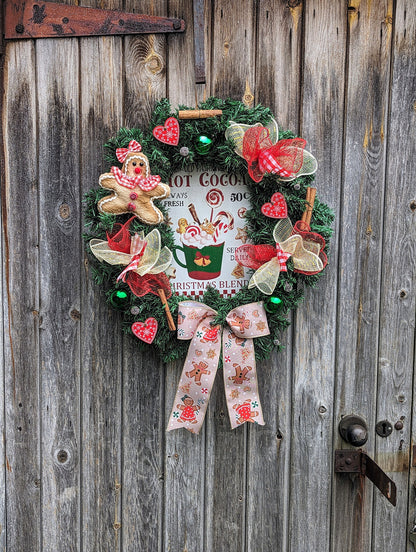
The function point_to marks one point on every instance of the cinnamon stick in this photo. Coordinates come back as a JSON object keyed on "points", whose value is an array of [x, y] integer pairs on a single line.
{"points": [[192, 210], [310, 200], [162, 296], [199, 113], [309, 208]]}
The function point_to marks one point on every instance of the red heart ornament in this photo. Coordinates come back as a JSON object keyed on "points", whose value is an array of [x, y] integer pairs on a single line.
{"points": [[168, 134], [277, 208], [146, 331]]}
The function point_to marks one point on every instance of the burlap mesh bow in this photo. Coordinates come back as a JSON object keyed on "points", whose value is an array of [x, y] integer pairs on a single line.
{"points": [[265, 153], [268, 263], [240, 378], [145, 260]]}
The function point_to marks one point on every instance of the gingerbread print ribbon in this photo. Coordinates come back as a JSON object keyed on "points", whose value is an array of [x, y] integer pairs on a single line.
{"points": [[240, 377]]}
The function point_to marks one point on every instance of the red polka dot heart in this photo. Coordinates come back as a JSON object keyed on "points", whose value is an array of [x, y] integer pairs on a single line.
{"points": [[277, 208], [146, 331], [168, 134]]}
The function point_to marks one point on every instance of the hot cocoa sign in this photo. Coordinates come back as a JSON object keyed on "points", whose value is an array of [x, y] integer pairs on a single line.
{"points": [[207, 212]]}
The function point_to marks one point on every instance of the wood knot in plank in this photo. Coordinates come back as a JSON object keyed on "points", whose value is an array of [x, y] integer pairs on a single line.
{"points": [[64, 211], [62, 456], [154, 63], [75, 314], [248, 98]]}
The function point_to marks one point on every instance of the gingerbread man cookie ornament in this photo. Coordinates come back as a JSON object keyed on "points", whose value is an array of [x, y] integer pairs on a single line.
{"points": [[133, 187]]}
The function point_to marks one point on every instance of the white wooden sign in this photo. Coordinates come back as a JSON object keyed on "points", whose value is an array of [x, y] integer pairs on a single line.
{"points": [[207, 212]]}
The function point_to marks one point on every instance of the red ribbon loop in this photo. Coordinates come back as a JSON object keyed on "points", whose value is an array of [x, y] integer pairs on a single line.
{"points": [[120, 237], [254, 256], [284, 158]]}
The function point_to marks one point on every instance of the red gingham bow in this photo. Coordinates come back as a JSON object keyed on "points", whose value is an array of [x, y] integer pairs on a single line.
{"points": [[145, 184], [282, 257], [137, 248], [284, 158], [122, 152]]}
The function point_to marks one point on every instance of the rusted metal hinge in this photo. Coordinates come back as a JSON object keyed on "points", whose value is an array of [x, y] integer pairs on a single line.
{"points": [[357, 461], [31, 19]]}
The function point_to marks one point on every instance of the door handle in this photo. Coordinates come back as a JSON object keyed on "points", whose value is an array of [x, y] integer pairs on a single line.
{"points": [[353, 430]]}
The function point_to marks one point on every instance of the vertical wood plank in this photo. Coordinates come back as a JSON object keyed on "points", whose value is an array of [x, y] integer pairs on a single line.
{"points": [[369, 34], [233, 48], [181, 67], [322, 103], [101, 335], [278, 62], [278, 87], [3, 533], [185, 506], [143, 374], [397, 294], [144, 67], [60, 258], [21, 300], [233, 63], [3, 529]]}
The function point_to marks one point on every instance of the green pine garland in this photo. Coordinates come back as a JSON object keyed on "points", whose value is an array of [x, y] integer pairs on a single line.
{"points": [[165, 160]]}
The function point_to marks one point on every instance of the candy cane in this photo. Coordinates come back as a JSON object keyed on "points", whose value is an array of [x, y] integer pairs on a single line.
{"points": [[220, 230], [223, 214]]}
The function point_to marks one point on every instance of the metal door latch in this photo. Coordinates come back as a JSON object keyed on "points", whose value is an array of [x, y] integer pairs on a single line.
{"points": [[357, 461]]}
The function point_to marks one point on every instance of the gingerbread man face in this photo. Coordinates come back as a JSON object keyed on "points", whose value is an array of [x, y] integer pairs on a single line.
{"points": [[133, 187]]}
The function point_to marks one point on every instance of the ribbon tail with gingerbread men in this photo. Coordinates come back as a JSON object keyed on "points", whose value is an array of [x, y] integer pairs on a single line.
{"points": [[195, 322]]}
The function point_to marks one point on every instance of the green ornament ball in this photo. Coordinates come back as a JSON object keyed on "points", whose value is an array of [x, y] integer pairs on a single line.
{"points": [[272, 304], [203, 144], [119, 299]]}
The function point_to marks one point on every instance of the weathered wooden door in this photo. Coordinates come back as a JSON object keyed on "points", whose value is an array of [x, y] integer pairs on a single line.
{"points": [[87, 463]]}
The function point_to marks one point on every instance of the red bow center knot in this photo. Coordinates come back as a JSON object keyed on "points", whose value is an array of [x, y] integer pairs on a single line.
{"points": [[137, 249], [284, 158], [282, 257]]}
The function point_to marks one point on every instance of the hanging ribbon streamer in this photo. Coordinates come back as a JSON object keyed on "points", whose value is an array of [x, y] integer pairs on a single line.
{"points": [[265, 153], [143, 256], [305, 251], [240, 377]]}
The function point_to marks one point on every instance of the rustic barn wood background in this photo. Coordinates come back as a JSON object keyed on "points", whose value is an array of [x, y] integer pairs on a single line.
{"points": [[87, 463]]}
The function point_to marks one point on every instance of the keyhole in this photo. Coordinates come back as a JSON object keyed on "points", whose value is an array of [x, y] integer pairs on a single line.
{"points": [[384, 428]]}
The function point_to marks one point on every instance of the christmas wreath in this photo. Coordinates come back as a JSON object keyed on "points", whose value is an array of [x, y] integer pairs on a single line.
{"points": [[135, 244]]}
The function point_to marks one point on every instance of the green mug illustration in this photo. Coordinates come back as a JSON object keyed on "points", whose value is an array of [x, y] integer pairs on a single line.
{"points": [[201, 264]]}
